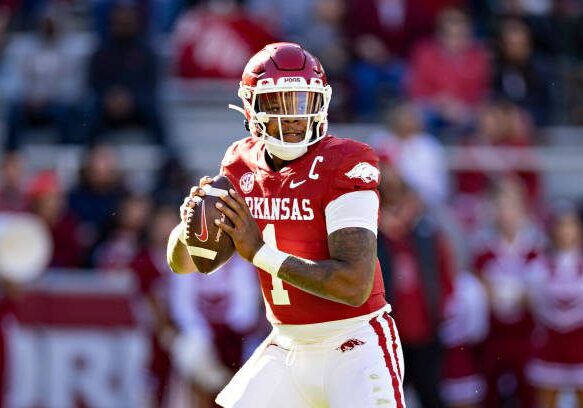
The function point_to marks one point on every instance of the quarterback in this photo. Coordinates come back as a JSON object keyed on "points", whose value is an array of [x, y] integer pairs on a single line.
{"points": [[305, 213]]}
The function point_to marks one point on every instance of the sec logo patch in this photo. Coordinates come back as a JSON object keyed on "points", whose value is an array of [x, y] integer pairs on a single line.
{"points": [[246, 182]]}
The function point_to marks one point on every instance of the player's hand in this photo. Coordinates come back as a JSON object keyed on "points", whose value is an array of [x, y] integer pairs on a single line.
{"points": [[245, 232], [195, 191]]}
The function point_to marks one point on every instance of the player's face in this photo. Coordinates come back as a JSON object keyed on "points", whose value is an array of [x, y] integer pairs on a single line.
{"points": [[293, 130], [510, 211], [567, 232], [288, 113]]}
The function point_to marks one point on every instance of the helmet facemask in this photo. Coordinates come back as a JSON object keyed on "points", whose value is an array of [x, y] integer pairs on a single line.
{"points": [[291, 108]]}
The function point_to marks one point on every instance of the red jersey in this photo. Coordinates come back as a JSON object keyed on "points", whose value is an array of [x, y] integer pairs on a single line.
{"points": [[289, 207]]}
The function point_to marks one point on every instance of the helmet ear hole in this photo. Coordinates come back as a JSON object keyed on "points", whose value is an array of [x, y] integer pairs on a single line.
{"points": [[246, 124]]}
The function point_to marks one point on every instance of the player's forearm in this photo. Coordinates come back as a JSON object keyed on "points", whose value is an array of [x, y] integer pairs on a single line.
{"points": [[347, 277], [330, 279], [176, 254]]}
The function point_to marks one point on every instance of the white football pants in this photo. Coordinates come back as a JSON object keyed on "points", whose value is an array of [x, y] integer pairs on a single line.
{"points": [[359, 364]]}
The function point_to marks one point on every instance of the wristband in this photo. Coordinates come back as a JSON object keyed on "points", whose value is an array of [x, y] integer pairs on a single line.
{"points": [[269, 259]]}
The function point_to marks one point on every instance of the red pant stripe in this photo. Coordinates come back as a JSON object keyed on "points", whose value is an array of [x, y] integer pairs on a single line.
{"points": [[378, 328], [391, 323]]}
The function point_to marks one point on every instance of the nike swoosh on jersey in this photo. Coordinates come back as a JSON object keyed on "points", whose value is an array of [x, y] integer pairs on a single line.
{"points": [[204, 232], [293, 184]]}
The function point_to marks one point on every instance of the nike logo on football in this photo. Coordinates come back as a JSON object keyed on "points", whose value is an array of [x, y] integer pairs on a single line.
{"points": [[293, 184], [204, 233]]}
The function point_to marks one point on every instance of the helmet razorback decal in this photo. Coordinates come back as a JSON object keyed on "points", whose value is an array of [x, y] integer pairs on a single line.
{"points": [[364, 171]]}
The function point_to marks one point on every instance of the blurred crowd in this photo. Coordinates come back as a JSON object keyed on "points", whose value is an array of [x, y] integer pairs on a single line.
{"points": [[484, 273], [87, 67], [200, 328]]}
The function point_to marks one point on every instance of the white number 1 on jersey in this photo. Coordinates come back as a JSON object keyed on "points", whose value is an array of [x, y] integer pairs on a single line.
{"points": [[279, 295]]}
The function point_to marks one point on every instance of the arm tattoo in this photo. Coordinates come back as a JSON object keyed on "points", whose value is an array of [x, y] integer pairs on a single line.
{"points": [[350, 267], [353, 244]]}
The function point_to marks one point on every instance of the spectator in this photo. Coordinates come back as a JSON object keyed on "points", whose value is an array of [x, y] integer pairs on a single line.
{"points": [[98, 193], [418, 271], [325, 33], [418, 156], [380, 34], [396, 23], [556, 291], [450, 74], [47, 83], [215, 39], [123, 77], [172, 180], [379, 77], [125, 236], [501, 254], [465, 325], [153, 275], [101, 14], [325, 36], [520, 76], [216, 312], [538, 15], [157, 16], [284, 19], [47, 200], [500, 124], [12, 183]]}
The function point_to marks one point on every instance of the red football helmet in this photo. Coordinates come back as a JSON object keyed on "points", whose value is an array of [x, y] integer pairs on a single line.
{"points": [[282, 82]]}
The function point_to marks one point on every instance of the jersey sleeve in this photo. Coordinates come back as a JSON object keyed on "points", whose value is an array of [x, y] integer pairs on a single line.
{"points": [[355, 170], [355, 209], [229, 158]]}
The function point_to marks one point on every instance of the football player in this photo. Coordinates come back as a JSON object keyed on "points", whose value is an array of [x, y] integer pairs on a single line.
{"points": [[305, 213]]}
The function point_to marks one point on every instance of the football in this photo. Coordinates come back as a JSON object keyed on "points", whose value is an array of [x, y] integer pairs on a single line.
{"points": [[208, 245]]}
